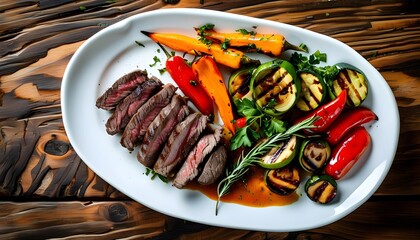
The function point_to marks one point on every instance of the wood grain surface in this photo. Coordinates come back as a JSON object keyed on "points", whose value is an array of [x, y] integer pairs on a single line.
{"points": [[47, 191]]}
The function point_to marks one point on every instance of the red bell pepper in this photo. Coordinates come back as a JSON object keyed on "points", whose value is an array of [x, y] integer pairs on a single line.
{"points": [[347, 152], [186, 80], [347, 120], [326, 114]]}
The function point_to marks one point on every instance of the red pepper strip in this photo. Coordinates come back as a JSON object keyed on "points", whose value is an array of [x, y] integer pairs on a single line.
{"points": [[348, 152], [326, 113], [186, 80], [348, 120]]}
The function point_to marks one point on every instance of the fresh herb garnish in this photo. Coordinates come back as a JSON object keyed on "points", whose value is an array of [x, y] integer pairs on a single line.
{"points": [[202, 29], [246, 32], [162, 70], [253, 157], [156, 61], [258, 124], [153, 174], [225, 44], [302, 62], [139, 43], [205, 41]]}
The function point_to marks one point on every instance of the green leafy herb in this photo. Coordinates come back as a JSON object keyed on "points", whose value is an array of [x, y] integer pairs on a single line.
{"points": [[156, 61], [154, 174], [246, 32], [162, 70], [139, 43], [205, 41], [82, 8], [253, 157], [258, 125], [202, 29], [302, 62], [225, 44]]}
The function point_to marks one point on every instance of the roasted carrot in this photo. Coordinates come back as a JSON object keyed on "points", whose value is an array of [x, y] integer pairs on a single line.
{"points": [[270, 44], [209, 76], [229, 57]]}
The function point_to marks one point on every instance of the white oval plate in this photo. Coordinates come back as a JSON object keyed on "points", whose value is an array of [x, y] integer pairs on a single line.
{"points": [[113, 52]]}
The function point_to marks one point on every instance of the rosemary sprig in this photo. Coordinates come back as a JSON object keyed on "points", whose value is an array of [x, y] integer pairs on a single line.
{"points": [[253, 156]]}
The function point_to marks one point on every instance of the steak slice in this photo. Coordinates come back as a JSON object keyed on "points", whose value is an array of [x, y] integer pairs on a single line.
{"points": [[190, 168], [179, 144], [214, 166], [136, 128], [120, 89], [130, 104], [160, 129]]}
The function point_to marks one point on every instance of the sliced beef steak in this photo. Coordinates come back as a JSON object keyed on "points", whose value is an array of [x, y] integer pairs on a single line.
{"points": [[130, 104], [179, 144], [159, 130], [190, 168], [214, 167], [136, 128], [120, 89]]}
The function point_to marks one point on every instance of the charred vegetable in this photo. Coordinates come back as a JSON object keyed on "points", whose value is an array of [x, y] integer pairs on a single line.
{"points": [[347, 152], [229, 57], [351, 79], [280, 155], [270, 44], [239, 83], [313, 90], [274, 87], [321, 189], [314, 154], [211, 79], [282, 181]]}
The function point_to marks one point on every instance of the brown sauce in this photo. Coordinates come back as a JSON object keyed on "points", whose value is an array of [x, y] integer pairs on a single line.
{"points": [[252, 192]]}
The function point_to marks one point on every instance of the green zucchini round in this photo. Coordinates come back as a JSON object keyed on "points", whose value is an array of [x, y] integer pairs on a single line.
{"points": [[353, 80], [281, 155], [239, 80], [314, 154], [282, 181], [313, 90], [274, 87]]}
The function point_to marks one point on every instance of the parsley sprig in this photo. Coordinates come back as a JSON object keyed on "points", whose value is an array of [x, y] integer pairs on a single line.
{"points": [[253, 156], [258, 124], [312, 62]]}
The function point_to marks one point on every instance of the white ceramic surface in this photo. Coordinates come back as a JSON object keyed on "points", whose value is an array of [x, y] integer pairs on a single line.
{"points": [[113, 52]]}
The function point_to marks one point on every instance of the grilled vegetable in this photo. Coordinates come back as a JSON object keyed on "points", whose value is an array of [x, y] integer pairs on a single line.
{"points": [[326, 114], [282, 181], [239, 81], [347, 152], [321, 189], [313, 90], [186, 80], [209, 76], [274, 87], [228, 57], [314, 154], [351, 79], [270, 44], [348, 120], [280, 155]]}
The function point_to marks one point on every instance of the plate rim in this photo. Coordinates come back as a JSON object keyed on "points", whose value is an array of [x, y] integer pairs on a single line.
{"points": [[123, 22]]}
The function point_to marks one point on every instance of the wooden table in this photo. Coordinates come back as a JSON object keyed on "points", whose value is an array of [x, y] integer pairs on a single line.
{"points": [[48, 192]]}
